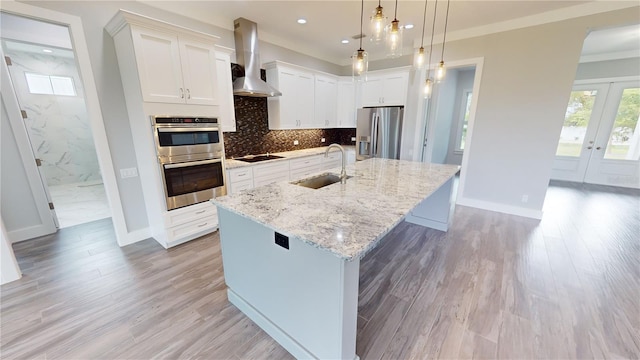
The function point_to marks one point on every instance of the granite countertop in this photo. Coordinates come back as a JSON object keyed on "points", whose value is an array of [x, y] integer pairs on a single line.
{"points": [[349, 219], [287, 155]]}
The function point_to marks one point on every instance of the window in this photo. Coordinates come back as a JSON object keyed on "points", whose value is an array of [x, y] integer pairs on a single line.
{"points": [[576, 121], [50, 85], [464, 120]]}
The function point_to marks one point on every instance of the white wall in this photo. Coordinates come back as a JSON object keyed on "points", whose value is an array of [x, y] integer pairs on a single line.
{"points": [[465, 82], [608, 69]]}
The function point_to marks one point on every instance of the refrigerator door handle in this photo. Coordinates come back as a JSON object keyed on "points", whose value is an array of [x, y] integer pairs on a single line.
{"points": [[374, 139]]}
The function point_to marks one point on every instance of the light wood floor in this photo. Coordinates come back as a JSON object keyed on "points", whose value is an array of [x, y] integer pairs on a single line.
{"points": [[494, 286]]}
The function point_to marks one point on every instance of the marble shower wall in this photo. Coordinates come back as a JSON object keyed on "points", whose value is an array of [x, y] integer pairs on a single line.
{"points": [[58, 126], [252, 135]]}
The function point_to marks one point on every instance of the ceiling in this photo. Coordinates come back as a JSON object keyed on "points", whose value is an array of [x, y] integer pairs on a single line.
{"points": [[329, 22], [613, 43]]}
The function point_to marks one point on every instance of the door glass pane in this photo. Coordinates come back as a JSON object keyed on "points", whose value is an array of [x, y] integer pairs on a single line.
{"points": [[576, 120], [624, 141]]}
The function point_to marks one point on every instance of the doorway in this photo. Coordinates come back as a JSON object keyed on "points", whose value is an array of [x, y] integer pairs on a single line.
{"points": [[47, 84], [449, 110], [600, 139]]}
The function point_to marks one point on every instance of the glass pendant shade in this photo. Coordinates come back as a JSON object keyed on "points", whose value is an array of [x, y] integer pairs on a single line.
{"points": [[394, 39], [440, 71], [419, 60], [377, 25], [360, 65], [428, 89]]}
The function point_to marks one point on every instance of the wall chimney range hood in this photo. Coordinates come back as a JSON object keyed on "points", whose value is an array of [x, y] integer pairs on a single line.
{"points": [[247, 55]]}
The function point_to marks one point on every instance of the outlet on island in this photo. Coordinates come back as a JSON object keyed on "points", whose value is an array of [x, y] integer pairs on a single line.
{"points": [[296, 142], [282, 240]]}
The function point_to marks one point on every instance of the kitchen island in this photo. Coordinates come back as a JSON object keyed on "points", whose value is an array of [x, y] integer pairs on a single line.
{"points": [[291, 254]]}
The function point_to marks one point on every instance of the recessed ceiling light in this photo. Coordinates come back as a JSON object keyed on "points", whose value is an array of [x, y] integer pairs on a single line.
{"points": [[344, 41], [47, 50], [302, 21], [408, 26]]}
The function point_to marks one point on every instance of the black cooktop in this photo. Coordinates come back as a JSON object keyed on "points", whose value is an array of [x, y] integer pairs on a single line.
{"points": [[258, 158]]}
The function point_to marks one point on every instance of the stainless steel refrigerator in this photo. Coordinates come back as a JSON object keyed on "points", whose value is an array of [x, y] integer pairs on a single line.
{"points": [[378, 132]]}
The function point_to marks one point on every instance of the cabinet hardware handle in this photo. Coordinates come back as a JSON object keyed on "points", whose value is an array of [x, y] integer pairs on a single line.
{"points": [[188, 94], [243, 174], [589, 147], [598, 148], [181, 93], [200, 212], [201, 225]]}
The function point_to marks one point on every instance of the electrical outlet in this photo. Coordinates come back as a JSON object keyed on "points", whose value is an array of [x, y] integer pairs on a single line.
{"points": [[282, 240], [322, 140], [296, 142], [525, 198], [353, 138], [128, 173]]}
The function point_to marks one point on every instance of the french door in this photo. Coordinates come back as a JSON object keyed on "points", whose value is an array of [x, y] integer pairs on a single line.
{"points": [[600, 139]]}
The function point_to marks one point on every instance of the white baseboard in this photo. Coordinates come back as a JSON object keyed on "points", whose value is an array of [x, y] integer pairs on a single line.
{"points": [[501, 208], [426, 222], [27, 233], [134, 237]]}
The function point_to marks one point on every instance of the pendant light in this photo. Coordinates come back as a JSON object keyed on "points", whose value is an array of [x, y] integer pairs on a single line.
{"points": [[360, 58], [377, 24], [442, 70], [393, 33], [419, 59], [428, 85]]}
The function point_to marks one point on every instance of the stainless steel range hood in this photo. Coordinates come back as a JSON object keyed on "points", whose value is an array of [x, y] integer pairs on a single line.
{"points": [[246, 37]]}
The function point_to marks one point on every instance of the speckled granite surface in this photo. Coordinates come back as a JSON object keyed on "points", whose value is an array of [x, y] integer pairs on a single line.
{"points": [[348, 219], [231, 164]]}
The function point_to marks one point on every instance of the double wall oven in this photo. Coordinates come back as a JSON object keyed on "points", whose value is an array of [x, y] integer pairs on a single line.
{"points": [[191, 156]]}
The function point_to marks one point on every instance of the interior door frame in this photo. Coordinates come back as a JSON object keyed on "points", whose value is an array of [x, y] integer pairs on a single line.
{"points": [[428, 127], [92, 103]]}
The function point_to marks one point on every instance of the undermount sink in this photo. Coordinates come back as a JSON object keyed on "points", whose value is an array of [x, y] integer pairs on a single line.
{"points": [[318, 181]]}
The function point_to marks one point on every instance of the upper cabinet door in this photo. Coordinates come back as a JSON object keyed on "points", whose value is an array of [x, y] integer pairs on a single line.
{"points": [[325, 102], [372, 91], [199, 72], [158, 59], [305, 100], [346, 113], [394, 91]]}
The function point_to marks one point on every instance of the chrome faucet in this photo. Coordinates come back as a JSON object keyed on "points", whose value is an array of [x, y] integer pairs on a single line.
{"points": [[343, 173]]}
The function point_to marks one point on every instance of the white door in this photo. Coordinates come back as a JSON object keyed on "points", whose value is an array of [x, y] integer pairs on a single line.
{"points": [[346, 111], [158, 58], [305, 100], [199, 72], [287, 84], [600, 140]]}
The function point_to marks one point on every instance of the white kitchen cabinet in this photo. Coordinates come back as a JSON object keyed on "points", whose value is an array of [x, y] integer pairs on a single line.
{"points": [[347, 104], [190, 222], [326, 99], [225, 89], [385, 88], [265, 174], [295, 108], [239, 179], [300, 168], [175, 68]]}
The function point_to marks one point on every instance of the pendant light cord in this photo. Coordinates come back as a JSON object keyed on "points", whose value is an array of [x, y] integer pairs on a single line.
{"points": [[444, 40], [424, 21], [433, 29], [395, 12], [361, 16]]}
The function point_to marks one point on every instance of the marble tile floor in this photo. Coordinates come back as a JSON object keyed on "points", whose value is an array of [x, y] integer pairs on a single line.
{"points": [[80, 203]]}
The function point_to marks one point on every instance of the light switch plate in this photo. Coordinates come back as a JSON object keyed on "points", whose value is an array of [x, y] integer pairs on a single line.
{"points": [[128, 173]]}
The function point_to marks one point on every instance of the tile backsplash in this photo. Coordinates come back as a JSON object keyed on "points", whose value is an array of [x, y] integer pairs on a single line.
{"points": [[252, 135]]}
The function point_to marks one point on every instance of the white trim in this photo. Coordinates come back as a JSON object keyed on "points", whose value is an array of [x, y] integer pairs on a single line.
{"points": [[610, 56], [606, 80], [135, 236], [94, 112], [28, 233], [432, 224], [501, 208], [460, 125]]}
